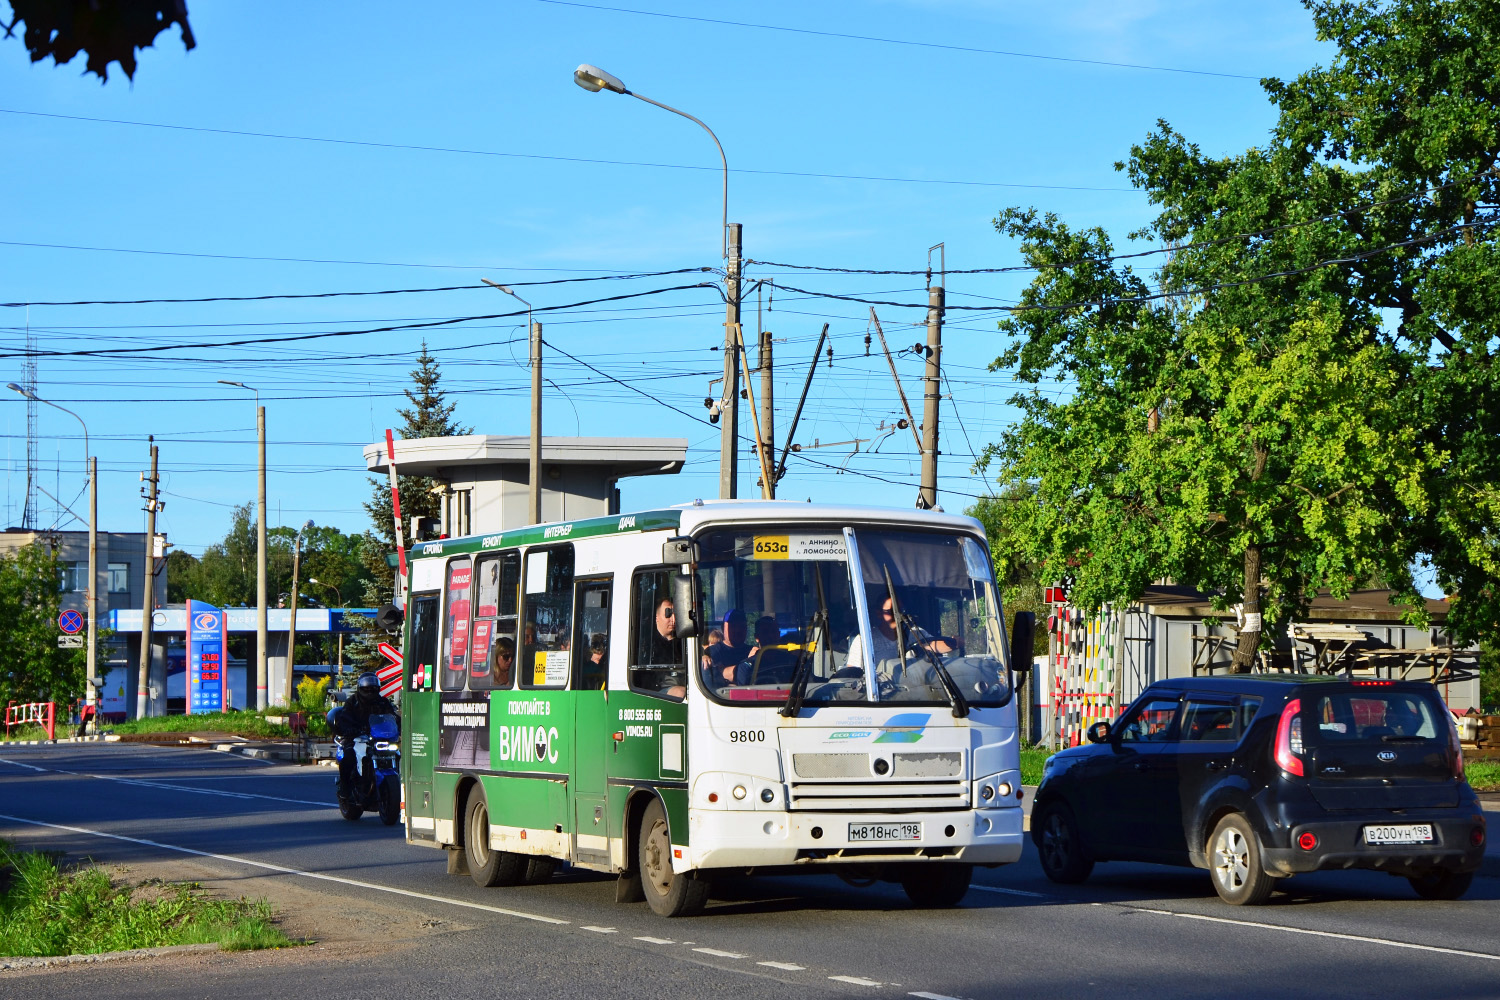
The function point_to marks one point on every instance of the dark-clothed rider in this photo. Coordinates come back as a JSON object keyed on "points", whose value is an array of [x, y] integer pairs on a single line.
{"points": [[354, 720]]}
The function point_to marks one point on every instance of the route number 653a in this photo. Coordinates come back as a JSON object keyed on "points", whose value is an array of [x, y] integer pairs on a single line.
{"points": [[747, 736]]}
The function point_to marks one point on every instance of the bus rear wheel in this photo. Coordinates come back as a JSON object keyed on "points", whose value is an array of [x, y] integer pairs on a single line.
{"points": [[487, 866], [937, 886], [668, 893]]}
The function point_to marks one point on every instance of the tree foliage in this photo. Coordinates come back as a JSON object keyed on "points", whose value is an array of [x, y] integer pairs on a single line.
{"points": [[429, 415], [105, 31], [32, 668], [1302, 396]]}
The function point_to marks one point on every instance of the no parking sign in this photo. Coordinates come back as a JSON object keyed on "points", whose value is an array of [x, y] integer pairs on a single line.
{"points": [[70, 621]]}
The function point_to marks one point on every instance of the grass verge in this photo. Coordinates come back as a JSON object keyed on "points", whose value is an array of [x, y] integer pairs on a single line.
{"points": [[29, 732], [1032, 759], [47, 911], [249, 724]]}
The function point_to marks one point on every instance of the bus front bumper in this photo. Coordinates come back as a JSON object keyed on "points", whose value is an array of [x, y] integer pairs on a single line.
{"points": [[754, 839]]}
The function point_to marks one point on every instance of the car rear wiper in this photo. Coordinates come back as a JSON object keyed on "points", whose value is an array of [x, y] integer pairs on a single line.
{"points": [[802, 670], [908, 625]]}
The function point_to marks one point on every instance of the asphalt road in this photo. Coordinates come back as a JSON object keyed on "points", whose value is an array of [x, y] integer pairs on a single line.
{"points": [[1131, 930]]}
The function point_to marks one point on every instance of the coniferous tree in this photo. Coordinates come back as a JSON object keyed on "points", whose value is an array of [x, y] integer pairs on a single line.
{"points": [[429, 415]]}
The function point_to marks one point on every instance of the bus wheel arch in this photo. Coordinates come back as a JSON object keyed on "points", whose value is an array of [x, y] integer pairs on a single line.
{"points": [[669, 893], [466, 785]]}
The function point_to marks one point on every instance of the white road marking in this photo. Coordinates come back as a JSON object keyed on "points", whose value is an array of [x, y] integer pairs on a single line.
{"points": [[600, 930], [784, 966], [654, 940], [1361, 938], [200, 791], [282, 869], [931, 996], [855, 980], [1011, 892], [29, 767], [716, 953]]}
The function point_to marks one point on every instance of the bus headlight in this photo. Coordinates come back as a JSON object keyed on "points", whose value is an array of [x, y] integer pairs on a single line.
{"points": [[739, 792], [1004, 790]]}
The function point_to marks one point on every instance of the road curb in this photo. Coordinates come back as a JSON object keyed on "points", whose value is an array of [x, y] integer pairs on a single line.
{"points": [[110, 738], [44, 961]]}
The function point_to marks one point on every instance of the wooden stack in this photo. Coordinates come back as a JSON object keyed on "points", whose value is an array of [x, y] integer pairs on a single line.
{"points": [[1488, 733]]}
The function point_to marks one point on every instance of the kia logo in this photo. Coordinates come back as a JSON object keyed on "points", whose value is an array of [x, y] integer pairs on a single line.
{"points": [[1386, 755]]}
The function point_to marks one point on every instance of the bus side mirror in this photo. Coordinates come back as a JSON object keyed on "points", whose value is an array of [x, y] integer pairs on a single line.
{"points": [[1022, 638], [389, 618], [684, 603]]}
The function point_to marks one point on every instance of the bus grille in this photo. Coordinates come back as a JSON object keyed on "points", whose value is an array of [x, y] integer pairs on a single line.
{"points": [[918, 780]]}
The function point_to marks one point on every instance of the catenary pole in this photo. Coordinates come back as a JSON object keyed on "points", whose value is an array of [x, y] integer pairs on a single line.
{"points": [[91, 691], [767, 446], [262, 623], [729, 417], [927, 495], [291, 627], [536, 424], [148, 597]]}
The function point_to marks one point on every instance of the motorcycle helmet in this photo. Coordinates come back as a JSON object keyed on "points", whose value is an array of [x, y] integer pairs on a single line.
{"points": [[367, 687]]}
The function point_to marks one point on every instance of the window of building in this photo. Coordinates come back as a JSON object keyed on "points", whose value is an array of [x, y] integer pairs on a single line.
{"points": [[73, 577], [548, 630], [497, 601], [657, 664], [119, 577], [456, 630]]}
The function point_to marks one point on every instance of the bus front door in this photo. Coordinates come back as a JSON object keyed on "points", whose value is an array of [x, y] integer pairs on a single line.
{"points": [[419, 716], [592, 730]]}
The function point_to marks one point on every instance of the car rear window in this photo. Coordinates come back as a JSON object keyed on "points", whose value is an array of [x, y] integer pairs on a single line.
{"points": [[1373, 715]]}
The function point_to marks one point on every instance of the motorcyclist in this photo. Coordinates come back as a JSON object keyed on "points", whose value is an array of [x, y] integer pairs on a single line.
{"points": [[354, 720]]}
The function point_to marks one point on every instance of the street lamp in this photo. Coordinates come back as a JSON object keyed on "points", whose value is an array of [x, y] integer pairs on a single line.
{"points": [[291, 627], [534, 331], [91, 688], [261, 625], [320, 583], [594, 79]]}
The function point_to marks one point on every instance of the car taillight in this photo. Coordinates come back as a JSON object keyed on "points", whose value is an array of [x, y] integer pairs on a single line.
{"points": [[1458, 748], [1289, 738]]}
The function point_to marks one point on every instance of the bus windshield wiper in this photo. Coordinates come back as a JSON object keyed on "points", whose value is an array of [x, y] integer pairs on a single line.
{"points": [[816, 628], [905, 626]]}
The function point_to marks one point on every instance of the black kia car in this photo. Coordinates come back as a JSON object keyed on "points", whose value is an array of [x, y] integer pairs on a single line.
{"points": [[1259, 777]]}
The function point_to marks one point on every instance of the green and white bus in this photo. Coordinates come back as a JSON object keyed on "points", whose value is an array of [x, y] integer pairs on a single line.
{"points": [[679, 692]]}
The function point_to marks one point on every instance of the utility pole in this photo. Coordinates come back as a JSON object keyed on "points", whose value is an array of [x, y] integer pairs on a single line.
{"points": [[730, 417], [262, 629], [767, 443], [91, 693], [536, 423], [148, 598], [927, 496], [291, 628]]}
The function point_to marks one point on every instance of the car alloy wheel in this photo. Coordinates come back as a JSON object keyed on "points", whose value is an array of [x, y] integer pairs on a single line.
{"points": [[1234, 856], [1231, 860]]}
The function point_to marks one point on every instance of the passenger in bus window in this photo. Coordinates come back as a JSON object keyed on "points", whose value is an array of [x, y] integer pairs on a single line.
{"points": [[766, 664], [504, 662], [726, 656]]}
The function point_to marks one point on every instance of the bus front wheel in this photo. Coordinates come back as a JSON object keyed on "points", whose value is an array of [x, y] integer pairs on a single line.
{"points": [[668, 893], [937, 886], [487, 866]]}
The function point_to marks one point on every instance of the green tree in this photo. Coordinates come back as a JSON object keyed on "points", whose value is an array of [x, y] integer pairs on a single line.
{"points": [[1019, 579], [105, 30], [32, 668], [429, 415], [1251, 421]]}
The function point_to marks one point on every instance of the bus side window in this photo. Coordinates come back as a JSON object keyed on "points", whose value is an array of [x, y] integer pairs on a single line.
{"points": [[657, 664], [547, 629], [421, 659], [492, 663], [591, 640], [456, 630]]}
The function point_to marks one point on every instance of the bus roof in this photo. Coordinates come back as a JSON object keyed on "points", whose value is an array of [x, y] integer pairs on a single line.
{"points": [[686, 518]]}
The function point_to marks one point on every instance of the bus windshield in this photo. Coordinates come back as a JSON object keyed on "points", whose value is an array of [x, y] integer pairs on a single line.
{"points": [[781, 603]]}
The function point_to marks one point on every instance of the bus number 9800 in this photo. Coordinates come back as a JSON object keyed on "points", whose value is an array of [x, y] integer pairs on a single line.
{"points": [[747, 736]]}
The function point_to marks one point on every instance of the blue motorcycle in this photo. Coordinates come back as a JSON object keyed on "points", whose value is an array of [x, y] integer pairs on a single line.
{"points": [[377, 782]]}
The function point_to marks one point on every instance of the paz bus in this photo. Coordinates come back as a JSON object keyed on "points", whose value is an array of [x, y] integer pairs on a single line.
{"points": [[730, 686]]}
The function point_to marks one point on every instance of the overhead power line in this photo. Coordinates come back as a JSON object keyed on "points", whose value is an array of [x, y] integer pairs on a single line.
{"points": [[901, 41], [104, 351], [560, 159], [335, 295]]}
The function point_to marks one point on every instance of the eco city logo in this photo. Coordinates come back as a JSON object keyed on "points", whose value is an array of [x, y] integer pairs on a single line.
{"points": [[851, 734], [904, 728]]}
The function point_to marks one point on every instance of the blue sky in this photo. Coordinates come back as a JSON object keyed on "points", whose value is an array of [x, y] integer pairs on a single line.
{"points": [[472, 80]]}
